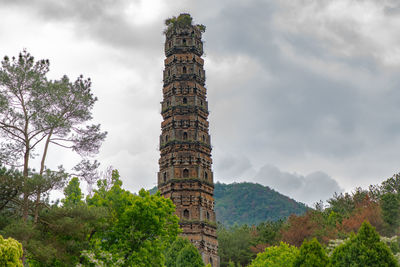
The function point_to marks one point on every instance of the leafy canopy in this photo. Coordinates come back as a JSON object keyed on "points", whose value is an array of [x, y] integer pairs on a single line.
{"points": [[182, 253], [10, 252], [363, 249], [189, 256], [312, 254], [276, 256], [140, 227], [73, 193], [182, 21]]}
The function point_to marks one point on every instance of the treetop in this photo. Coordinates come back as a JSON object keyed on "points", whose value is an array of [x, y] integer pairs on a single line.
{"points": [[182, 21]]}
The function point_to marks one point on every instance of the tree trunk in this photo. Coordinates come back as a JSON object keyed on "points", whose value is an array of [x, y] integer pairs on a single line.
{"points": [[25, 203], [38, 193]]}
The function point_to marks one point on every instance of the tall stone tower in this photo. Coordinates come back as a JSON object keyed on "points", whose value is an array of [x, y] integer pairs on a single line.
{"points": [[185, 174]]}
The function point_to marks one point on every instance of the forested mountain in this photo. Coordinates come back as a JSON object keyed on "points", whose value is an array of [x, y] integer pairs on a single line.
{"points": [[249, 203]]}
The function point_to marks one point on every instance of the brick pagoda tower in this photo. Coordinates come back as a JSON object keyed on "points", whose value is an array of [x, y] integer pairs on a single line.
{"points": [[185, 174]]}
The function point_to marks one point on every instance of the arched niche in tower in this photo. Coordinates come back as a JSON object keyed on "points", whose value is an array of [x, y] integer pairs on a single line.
{"points": [[184, 100], [185, 173], [185, 135], [186, 214]]}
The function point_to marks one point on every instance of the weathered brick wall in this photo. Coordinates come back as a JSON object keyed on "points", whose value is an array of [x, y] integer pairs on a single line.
{"points": [[185, 174]]}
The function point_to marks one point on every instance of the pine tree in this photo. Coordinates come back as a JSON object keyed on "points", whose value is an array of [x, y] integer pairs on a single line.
{"points": [[312, 254]]}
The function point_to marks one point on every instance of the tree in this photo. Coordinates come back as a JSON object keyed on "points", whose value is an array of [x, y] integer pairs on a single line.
{"points": [[10, 185], [366, 209], [140, 226], [183, 20], [182, 253], [276, 256], [391, 185], [234, 244], [61, 233], [10, 252], [35, 111], [390, 206], [189, 256], [312, 254], [73, 193], [173, 251], [299, 228], [363, 249]]}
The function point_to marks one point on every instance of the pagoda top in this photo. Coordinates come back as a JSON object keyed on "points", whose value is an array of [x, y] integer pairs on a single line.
{"points": [[182, 23]]}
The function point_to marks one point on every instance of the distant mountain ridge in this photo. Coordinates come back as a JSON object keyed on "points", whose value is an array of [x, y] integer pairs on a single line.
{"points": [[250, 203]]}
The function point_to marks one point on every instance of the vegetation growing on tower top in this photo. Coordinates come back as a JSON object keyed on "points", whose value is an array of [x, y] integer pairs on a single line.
{"points": [[182, 21]]}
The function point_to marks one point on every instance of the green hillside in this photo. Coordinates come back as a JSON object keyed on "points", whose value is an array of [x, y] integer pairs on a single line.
{"points": [[249, 203]]}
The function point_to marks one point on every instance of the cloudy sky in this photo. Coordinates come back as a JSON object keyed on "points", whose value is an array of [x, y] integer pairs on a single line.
{"points": [[303, 95]]}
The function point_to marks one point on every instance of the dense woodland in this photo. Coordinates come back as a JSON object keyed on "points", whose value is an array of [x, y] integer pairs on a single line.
{"points": [[252, 204], [332, 226], [111, 226]]}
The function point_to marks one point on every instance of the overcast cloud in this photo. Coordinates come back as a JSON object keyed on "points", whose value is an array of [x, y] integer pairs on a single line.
{"points": [[303, 94]]}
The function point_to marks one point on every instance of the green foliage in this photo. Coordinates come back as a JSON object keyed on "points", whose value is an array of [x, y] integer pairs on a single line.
{"points": [[11, 182], [276, 256], [248, 203], [182, 21], [112, 228], [60, 234], [390, 205], [182, 253], [73, 194], [140, 227], [391, 185], [36, 113], [189, 256], [10, 252], [234, 244], [174, 250], [342, 205], [312, 254], [268, 232], [363, 249]]}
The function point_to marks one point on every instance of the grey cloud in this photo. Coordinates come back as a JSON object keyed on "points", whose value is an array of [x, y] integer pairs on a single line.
{"points": [[392, 7], [104, 20], [285, 81], [333, 113], [231, 167], [309, 189]]}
